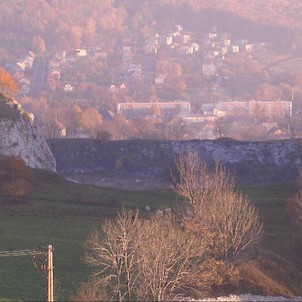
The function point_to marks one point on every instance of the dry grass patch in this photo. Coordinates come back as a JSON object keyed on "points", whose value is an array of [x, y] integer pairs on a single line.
{"points": [[270, 274]]}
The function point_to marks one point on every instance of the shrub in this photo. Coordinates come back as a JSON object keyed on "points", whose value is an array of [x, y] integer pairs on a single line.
{"points": [[17, 190], [103, 135], [18, 168]]}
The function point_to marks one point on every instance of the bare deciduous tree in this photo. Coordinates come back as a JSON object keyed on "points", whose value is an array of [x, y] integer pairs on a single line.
{"points": [[154, 259], [218, 207], [113, 254], [234, 221], [188, 176], [167, 256], [146, 260], [167, 263], [220, 126]]}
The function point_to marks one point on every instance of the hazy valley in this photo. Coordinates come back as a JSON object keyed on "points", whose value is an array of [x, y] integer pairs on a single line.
{"points": [[156, 145]]}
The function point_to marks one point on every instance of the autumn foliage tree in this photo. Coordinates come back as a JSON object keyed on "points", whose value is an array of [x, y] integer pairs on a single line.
{"points": [[17, 189], [15, 180], [7, 83]]}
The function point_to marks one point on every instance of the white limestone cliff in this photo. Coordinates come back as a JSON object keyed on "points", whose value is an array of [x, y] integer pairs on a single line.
{"points": [[19, 137]]}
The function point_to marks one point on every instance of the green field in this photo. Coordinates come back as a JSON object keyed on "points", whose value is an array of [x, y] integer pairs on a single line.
{"points": [[63, 214]]}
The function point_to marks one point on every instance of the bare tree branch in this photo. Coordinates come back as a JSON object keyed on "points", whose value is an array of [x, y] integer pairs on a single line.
{"points": [[218, 207]]}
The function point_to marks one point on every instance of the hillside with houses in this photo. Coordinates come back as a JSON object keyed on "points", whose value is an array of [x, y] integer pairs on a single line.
{"points": [[166, 73], [145, 79], [150, 150]]}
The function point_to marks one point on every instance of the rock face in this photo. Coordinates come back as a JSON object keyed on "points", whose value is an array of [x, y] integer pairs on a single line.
{"points": [[250, 162], [18, 137]]}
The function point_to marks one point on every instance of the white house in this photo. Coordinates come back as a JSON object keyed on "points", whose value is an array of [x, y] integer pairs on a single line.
{"points": [[81, 52], [235, 48], [169, 40], [249, 47], [68, 88], [159, 78], [195, 47]]}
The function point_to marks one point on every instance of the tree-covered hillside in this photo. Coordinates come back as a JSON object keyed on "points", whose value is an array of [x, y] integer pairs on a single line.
{"points": [[46, 24]]}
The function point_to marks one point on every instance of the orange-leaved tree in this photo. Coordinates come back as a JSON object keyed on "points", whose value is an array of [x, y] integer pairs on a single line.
{"points": [[15, 179], [7, 83]]}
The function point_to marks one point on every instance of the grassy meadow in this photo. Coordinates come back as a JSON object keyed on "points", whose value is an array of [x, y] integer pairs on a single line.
{"points": [[63, 214]]}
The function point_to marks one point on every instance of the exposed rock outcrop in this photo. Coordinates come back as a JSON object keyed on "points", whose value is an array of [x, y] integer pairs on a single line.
{"points": [[19, 137], [250, 162]]}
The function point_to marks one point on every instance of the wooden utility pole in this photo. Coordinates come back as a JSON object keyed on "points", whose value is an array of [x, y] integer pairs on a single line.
{"points": [[49, 273], [46, 268]]}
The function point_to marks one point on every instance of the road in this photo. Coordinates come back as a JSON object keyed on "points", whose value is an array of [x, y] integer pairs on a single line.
{"points": [[39, 72]]}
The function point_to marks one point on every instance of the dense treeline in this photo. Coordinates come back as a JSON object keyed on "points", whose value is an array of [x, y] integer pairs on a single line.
{"points": [[46, 24], [59, 24]]}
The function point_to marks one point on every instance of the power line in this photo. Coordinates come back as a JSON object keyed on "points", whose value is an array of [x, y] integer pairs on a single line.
{"points": [[46, 251], [23, 253]]}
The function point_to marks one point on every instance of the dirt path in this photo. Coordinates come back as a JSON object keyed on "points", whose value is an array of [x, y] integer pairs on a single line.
{"points": [[123, 183]]}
